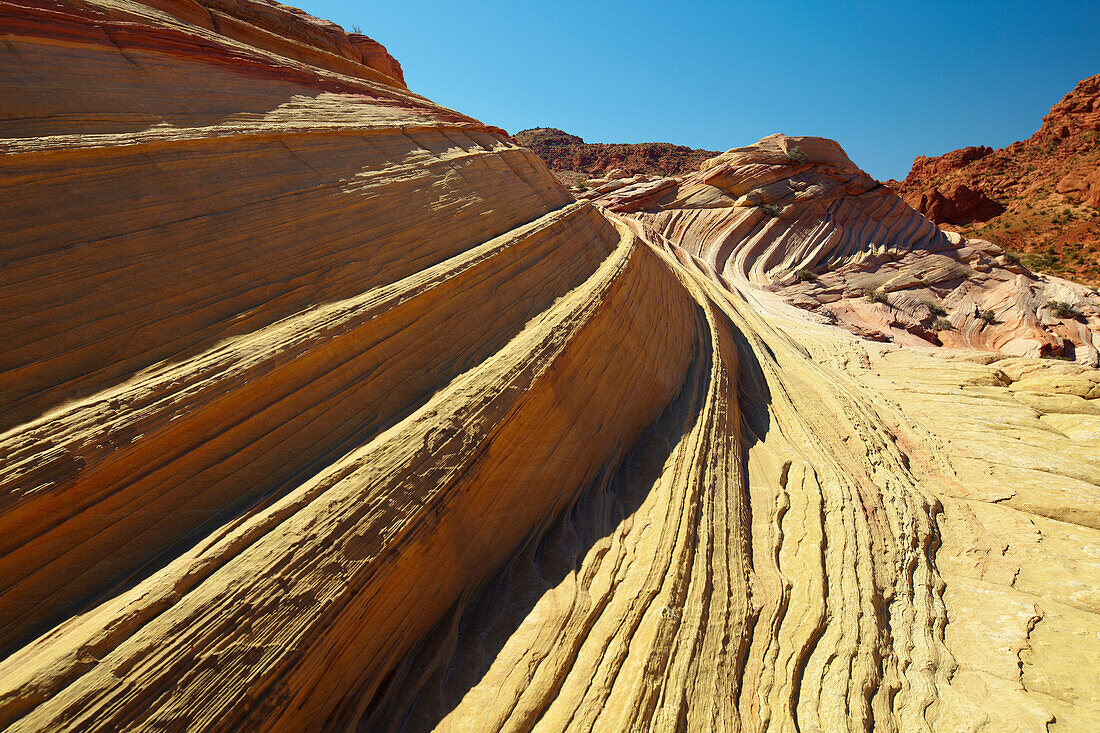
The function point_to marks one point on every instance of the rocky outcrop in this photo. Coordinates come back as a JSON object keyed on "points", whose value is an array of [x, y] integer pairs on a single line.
{"points": [[957, 203], [375, 56], [814, 227], [1082, 186], [327, 408], [1077, 114], [1038, 197], [573, 160], [947, 163]]}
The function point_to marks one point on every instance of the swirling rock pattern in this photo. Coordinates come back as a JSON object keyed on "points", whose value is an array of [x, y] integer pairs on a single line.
{"points": [[796, 215], [326, 407]]}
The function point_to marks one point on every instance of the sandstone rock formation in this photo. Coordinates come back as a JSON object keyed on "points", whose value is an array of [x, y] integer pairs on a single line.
{"points": [[956, 203], [327, 408], [1039, 197], [815, 228]]}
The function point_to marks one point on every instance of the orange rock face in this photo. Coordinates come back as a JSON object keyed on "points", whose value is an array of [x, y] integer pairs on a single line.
{"points": [[327, 408], [375, 56], [1039, 197], [957, 203], [947, 163]]}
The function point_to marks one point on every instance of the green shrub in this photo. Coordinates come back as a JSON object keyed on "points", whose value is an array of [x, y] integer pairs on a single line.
{"points": [[1060, 309], [942, 324], [795, 156], [934, 309], [988, 316], [806, 276], [1041, 261], [876, 296]]}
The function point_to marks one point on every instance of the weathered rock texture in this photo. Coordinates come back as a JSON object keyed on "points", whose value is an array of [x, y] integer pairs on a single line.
{"points": [[797, 216], [1039, 197], [327, 408]]}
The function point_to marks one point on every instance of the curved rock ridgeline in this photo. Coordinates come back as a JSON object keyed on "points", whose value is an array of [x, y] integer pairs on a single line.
{"points": [[812, 226], [782, 204], [327, 408]]}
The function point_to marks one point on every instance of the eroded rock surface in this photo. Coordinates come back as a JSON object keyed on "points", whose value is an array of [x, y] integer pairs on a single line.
{"points": [[814, 227], [327, 408]]}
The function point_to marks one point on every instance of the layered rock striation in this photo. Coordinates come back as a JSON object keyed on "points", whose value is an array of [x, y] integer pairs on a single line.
{"points": [[329, 408], [797, 216]]}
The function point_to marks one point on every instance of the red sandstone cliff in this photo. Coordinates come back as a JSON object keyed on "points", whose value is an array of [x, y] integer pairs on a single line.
{"points": [[1040, 196]]}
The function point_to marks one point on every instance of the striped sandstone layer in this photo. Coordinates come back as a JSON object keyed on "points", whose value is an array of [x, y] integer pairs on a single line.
{"points": [[814, 227], [326, 407]]}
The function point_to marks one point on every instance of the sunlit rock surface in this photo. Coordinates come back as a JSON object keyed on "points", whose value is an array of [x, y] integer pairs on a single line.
{"points": [[327, 408], [797, 216]]}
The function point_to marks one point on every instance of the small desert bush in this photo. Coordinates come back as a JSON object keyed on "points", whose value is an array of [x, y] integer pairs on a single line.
{"points": [[876, 296], [805, 276], [934, 309], [942, 324], [987, 316], [1061, 309], [795, 156], [771, 210], [1042, 261]]}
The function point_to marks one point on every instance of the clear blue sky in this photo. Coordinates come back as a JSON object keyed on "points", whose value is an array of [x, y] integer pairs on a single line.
{"points": [[888, 80]]}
